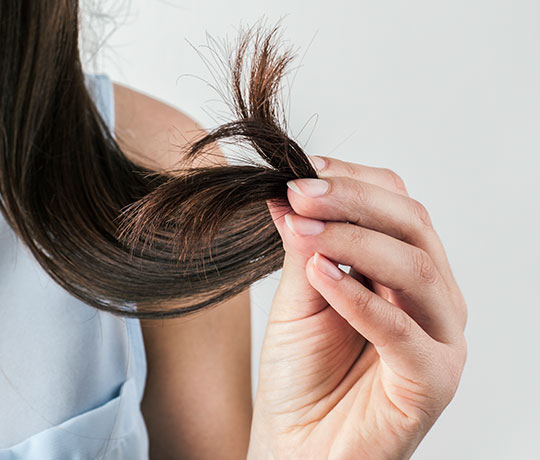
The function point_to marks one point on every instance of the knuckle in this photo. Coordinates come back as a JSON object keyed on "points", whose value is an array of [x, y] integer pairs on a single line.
{"points": [[362, 300], [361, 194], [400, 324], [396, 179], [423, 267], [349, 169], [356, 235], [420, 212]]}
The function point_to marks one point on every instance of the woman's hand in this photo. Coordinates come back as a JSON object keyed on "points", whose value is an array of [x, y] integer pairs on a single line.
{"points": [[348, 372]]}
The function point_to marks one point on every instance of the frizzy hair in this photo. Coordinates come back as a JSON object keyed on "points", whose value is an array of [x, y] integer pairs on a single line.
{"points": [[116, 235]]}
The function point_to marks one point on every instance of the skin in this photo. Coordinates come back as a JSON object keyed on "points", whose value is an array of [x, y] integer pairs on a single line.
{"points": [[197, 402], [347, 372]]}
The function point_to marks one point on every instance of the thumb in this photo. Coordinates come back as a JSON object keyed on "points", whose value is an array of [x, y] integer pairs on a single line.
{"points": [[295, 298]]}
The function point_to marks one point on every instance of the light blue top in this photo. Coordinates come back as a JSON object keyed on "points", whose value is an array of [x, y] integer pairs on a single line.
{"points": [[71, 376]]}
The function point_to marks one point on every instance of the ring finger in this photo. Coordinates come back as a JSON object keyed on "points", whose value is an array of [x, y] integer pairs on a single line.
{"points": [[404, 268]]}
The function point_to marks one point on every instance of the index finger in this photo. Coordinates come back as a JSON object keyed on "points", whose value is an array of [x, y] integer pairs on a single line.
{"points": [[383, 177]]}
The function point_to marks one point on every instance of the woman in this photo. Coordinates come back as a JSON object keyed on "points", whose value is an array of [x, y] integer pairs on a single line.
{"points": [[356, 365]]}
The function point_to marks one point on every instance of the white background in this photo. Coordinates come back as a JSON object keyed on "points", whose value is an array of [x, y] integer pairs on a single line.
{"points": [[447, 94]]}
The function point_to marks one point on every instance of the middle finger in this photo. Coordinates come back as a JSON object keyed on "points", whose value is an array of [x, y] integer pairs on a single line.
{"points": [[371, 206], [395, 264]]}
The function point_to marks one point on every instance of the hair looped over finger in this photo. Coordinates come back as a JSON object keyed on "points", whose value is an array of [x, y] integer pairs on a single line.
{"points": [[114, 234]]}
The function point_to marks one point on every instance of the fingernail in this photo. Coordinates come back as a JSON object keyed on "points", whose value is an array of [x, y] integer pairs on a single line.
{"points": [[328, 268], [304, 226], [309, 187], [317, 162]]}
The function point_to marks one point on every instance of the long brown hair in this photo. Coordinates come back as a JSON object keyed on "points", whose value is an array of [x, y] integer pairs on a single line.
{"points": [[117, 236]]}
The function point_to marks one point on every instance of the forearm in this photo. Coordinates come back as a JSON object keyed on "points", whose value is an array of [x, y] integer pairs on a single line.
{"points": [[197, 402], [181, 427]]}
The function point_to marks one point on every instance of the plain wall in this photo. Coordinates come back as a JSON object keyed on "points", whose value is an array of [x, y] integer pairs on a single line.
{"points": [[447, 94]]}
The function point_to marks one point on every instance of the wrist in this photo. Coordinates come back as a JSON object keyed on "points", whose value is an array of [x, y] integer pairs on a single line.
{"points": [[261, 448]]}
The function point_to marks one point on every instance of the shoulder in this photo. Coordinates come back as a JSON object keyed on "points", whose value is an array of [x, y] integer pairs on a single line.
{"points": [[151, 132]]}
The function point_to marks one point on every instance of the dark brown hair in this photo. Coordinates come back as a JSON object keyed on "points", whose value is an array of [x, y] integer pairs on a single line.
{"points": [[117, 236]]}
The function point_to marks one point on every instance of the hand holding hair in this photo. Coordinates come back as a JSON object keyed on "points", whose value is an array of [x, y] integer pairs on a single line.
{"points": [[357, 365]]}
